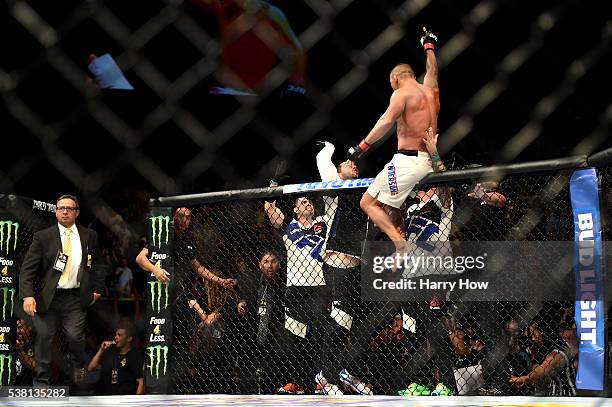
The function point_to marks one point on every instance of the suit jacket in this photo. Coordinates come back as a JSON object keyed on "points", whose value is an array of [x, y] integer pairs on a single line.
{"points": [[38, 279], [249, 290]]}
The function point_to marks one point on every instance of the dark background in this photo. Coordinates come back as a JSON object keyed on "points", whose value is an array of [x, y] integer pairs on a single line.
{"points": [[519, 81]]}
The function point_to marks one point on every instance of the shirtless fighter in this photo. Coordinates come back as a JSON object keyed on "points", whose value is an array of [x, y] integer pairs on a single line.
{"points": [[414, 107]]}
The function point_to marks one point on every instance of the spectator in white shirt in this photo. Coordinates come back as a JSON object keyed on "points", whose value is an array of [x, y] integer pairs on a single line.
{"points": [[124, 279]]}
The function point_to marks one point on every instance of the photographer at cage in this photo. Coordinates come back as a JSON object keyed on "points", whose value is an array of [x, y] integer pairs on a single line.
{"points": [[60, 278], [554, 361]]}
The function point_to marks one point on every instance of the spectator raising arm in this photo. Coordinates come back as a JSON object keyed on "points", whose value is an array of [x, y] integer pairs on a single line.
{"points": [[275, 215], [431, 143], [96, 360], [327, 169]]}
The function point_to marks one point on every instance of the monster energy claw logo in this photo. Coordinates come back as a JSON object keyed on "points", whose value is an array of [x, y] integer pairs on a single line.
{"points": [[159, 227], [155, 355], [5, 293], [9, 359], [7, 233], [157, 288]]}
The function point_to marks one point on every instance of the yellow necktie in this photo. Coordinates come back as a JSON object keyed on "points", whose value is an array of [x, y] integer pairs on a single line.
{"points": [[68, 251]]}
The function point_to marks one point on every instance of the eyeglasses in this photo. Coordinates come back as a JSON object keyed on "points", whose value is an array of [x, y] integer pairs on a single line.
{"points": [[66, 208]]}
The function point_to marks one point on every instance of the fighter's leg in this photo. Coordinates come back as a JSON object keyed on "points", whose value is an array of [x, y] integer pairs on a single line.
{"points": [[379, 214], [397, 219]]}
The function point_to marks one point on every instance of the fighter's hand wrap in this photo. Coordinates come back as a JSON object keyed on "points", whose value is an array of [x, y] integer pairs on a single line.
{"points": [[429, 40], [355, 152]]}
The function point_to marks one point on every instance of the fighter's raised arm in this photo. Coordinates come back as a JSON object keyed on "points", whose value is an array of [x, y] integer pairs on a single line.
{"points": [[429, 41]]}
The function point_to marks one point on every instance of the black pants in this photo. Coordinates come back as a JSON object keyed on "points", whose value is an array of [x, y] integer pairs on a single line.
{"points": [[355, 355], [65, 309], [264, 372], [490, 318], [345, 309], [304, 321], [432, 351]]}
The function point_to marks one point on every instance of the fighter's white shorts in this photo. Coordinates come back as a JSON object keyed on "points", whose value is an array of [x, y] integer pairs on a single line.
{"points": [[393, 184]]}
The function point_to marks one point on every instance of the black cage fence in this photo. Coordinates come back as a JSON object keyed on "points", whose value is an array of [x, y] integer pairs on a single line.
{"points": [[285, 290], [221, 76], [212, 78]]}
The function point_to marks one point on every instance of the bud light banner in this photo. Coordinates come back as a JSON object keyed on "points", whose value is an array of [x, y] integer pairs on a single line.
{"points": [[160, 233], [589, 311]]}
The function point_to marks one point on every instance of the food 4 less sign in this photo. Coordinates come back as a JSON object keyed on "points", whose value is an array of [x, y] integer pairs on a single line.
{"points": [[160, 235]]}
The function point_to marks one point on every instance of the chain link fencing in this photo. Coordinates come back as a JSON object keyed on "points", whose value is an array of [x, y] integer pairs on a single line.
{"points": [[180, 129], [290, 306], [223, 76]]}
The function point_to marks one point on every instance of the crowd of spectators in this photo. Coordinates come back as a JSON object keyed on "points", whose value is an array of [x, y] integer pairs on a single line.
{"points": [[227, 355], [237, 343]]}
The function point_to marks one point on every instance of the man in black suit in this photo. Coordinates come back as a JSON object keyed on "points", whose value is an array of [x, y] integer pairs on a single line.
{"points": [[60, 277], [263, 328]]}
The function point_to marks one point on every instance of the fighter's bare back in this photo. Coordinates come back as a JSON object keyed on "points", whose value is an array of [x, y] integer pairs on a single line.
{"points": [[421, 108]]}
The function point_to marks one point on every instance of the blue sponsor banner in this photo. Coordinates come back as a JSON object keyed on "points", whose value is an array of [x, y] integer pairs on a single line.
{"points": [[328, 185], [589, 311]]}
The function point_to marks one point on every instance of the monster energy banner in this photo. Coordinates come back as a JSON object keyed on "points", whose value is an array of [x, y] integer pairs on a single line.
{"points": [[6, 368], [160, 234], [19, 218], [10, 234]]}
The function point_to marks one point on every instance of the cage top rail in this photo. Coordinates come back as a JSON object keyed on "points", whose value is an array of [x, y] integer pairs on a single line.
{"points": [[489, 172]]}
